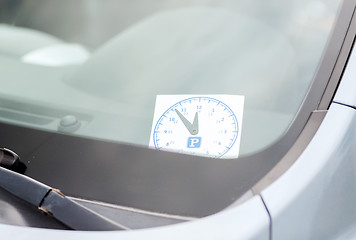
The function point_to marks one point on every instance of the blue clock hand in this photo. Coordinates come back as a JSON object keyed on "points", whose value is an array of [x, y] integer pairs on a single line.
{"points": [[192, 128]]}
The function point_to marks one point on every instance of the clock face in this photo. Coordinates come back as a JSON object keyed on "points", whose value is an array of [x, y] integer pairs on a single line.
{"points": [[197, 125]]}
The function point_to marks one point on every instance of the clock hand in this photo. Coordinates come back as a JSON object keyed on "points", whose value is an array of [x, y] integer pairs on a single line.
{"points": [[195, 126], [192, 128]]}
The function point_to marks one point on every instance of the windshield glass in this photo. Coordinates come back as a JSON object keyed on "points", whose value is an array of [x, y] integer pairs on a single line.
{"points": [[154, 73]]}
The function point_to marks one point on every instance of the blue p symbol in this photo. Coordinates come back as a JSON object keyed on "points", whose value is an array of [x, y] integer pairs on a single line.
{"points": [[194, 142]]}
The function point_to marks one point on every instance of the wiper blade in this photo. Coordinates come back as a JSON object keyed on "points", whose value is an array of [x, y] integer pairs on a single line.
{"points": [[10, 160], [52, 201]]}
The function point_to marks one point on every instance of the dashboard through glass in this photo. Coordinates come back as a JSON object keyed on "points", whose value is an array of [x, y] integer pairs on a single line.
{"points": [[101, 64]]}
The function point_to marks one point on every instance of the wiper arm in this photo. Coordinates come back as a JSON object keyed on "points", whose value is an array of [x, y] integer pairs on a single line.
{"points": [[50, 200]]}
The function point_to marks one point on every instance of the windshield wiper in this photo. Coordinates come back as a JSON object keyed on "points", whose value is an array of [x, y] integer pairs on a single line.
{"points": [[49, 200]]}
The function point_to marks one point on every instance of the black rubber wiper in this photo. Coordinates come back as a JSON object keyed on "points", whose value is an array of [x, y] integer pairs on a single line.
{"points": [[49, 200]]}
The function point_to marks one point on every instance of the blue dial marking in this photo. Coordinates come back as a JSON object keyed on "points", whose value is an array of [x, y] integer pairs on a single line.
{"points": [[202, 108]]}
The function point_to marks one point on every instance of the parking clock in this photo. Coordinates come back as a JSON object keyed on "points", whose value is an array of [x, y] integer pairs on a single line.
{"points": [[205, 125]]}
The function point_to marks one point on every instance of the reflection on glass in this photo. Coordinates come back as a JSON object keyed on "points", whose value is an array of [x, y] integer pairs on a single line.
{"points": [[104, 62]]}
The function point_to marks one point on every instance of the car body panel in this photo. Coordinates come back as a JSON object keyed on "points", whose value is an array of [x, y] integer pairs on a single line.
{"points": [[311, 199], [346, 91]]}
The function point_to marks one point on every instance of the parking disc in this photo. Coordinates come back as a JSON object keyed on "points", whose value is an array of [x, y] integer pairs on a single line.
{"points": [[205, 125]]}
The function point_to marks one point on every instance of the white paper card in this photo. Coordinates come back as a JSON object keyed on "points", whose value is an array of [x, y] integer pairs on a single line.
{"points": [[205, 125]]}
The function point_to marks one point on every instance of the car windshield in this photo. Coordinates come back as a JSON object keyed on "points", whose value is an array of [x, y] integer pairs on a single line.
{"points": [[151, 72]]}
